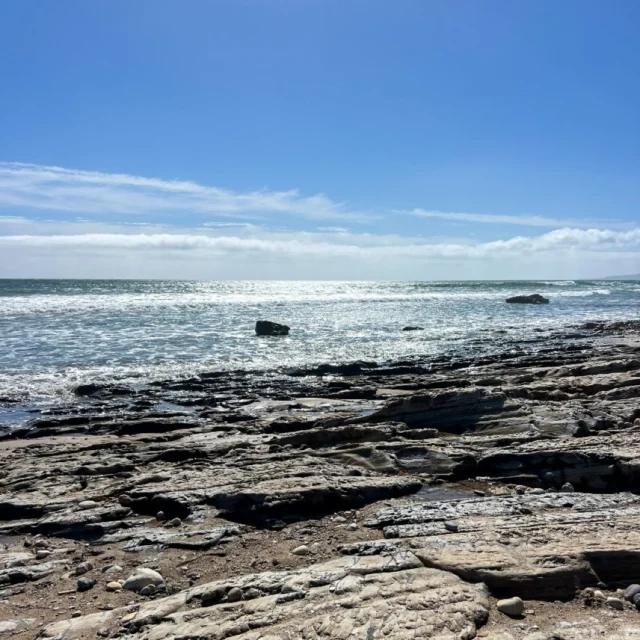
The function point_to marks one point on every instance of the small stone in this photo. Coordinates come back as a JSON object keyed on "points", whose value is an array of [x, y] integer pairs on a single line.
{"points": [[451, 526], [520, 490], [125, 500], [84, 584], [599, 595], [83, 567], [480, 493], [352, 527], [176, 522], [160, 516], [567, 487], [234, 595], [511, 606], [76, 614], [615, 603], [538, 491], [302, 550], [141, 578], [114, 568], [340, 519], [149, 590], [631, 591], [87, 504], [41, 554], [114, 586], [128, 618], [275, 562]]}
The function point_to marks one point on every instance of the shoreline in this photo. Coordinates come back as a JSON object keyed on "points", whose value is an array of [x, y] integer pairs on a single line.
{"points": [[269, 501]]}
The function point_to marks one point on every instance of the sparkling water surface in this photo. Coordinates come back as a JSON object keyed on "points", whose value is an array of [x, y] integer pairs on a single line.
{"points": [[56, 334]]}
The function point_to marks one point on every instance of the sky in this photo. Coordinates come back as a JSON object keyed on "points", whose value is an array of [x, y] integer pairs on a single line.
{"points": [[319, 139]]}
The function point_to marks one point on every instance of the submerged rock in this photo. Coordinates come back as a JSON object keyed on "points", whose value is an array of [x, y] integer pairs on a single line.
{"points": [[534, 298], [267, 328]]}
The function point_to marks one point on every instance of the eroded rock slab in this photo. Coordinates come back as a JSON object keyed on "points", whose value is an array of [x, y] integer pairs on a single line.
{"points": [[352, 597], [535, 546]]}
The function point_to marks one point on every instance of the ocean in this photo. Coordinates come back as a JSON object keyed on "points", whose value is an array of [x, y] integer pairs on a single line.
{"points": [[56, 334]]}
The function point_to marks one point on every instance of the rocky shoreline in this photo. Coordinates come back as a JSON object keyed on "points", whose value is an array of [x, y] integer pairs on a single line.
{"points": [[340, 501]]}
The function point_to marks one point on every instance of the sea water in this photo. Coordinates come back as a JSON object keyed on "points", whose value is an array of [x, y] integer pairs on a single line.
{"points": [[56, 334]]}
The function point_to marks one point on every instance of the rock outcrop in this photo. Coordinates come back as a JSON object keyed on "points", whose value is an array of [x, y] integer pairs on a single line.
{"points": [[267, 328], [346, 500], [534, 298]]}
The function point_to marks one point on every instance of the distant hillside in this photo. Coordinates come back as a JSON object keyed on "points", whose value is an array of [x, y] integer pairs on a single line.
{"points": [[635, 276]]}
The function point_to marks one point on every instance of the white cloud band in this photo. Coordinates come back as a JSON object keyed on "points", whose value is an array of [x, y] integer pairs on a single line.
{"points": [[559, 241]]}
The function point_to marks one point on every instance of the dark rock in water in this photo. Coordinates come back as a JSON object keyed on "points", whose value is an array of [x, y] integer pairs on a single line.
{"points": [[266, 328], [87, 389], [96, 390], [534, 298], [413, 328], [351, 369]]}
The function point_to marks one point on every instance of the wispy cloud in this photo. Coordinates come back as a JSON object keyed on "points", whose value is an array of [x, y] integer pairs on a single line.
{"points": [[91, 192], [520, 220]]}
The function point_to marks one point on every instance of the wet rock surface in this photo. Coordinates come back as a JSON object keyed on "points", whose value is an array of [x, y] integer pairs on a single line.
{"points": [[362, 500]]}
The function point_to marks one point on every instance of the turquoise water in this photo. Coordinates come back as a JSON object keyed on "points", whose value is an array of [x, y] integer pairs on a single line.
{"points": [[60, 333]]}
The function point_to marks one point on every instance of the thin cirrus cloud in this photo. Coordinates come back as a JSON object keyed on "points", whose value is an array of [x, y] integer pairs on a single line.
{"points": [[559, 242], [522, 220], [32, 186], [90, 192]]}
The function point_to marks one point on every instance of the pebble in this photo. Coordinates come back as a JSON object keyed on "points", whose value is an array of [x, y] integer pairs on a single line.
{"points": [[631, 591], [538, 491], [480, 493], [141, 578], [302, 550], [599, 595], [128, 618], [615, 603], [234, 595], [42, 553], [88, 504], [511, 606], [160, 516], [114, 568], [76, 614], [114, 586], [149, 590], [567, 487], [340, 519], [84, 584], [352, 527], [83, 567], [451, 526], [176, 522]]}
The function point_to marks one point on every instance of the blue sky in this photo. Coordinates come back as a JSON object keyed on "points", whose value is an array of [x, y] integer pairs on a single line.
{"points": [[319, 138]]}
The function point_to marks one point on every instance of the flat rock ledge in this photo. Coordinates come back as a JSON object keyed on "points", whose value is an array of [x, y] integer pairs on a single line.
{"points": [[392, 596]]}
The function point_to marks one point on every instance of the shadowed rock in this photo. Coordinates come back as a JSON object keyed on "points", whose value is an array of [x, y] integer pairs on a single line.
{"points": [[267, 328], [534, 298]]}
